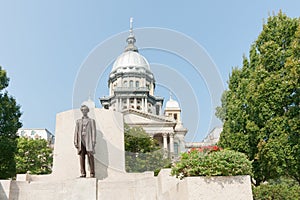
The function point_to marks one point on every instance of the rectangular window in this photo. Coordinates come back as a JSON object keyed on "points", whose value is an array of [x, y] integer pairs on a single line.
{"points": [[175, 116]]}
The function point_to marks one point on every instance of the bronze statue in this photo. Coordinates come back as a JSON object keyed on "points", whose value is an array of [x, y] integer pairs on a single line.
{"points": [[85, 141]]}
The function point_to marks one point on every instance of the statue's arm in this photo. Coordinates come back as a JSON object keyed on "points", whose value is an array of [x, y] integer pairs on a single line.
{"points": [[94, 132], [76, 135]]}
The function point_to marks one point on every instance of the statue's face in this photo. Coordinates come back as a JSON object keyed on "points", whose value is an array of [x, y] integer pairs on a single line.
{"points": [[84, 111]]}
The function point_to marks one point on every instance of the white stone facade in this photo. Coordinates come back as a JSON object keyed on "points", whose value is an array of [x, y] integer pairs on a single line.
{"points": [[211, 139], [35, 133]]}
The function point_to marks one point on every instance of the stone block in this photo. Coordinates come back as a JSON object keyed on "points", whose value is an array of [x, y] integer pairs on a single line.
{"points": [[128, 187], [219, 187], [109, 157], [23, 177], [4, 189], [76, 189], [166, 181]]}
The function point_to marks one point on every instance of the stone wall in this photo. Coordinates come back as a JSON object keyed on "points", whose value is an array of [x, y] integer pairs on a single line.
{"points": [[131, 187], [76, 189], [208, 188]]}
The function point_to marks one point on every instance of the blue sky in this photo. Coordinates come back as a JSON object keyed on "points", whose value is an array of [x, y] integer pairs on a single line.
{"points": [[43, 45]]}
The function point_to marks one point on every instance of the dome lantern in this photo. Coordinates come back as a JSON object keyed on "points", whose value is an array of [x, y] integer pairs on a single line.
{"points": [[131, 59], [131, 39]]}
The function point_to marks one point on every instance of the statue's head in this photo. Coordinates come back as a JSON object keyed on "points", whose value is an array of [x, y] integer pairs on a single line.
{"points": [[84, 109]]}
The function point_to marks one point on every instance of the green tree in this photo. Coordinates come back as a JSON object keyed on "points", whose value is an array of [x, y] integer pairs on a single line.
{"points": [[33, 155], [9, 125], [260, 109], [279, 189], [142, 151], [138, 141]]}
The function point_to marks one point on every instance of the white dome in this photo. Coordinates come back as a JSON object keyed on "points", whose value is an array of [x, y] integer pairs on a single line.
{"points": [[130, 59], [172, 104]]}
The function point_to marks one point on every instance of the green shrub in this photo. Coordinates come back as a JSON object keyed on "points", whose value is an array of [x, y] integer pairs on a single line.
{"points": [[149, 161], [212, 162], [281, 191]]}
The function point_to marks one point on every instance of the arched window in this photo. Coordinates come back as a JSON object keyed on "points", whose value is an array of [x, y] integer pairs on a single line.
{"points": [[137, 84], [125, 84], [131, 83]]}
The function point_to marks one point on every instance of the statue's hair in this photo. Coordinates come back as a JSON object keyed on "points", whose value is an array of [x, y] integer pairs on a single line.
{"points": [[84, 106]]}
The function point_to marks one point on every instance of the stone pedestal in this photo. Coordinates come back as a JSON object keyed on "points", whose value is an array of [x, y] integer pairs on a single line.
{"points": [[109, 157], [75, 189]]}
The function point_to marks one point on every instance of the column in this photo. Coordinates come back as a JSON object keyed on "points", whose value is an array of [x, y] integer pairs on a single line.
{"points": [[134, 102], [120, 104], [143, 105], [128, 103], [146, 105], [160, 110], [165, 141], [117, 104], [171, 135]]}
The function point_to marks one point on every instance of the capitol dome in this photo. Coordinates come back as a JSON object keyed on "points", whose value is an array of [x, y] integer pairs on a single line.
{"points": [[131, 72], [130, 60]]}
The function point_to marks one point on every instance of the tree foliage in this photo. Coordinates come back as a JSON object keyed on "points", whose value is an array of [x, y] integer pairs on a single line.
{"points": [[9, 125], [138, 141], [279, 189], [212, 162], [33, 155], [260, 110], [142, 151]]}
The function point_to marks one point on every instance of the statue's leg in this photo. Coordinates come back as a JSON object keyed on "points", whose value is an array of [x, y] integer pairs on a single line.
{"points": [[82, 161], [92, 164]]}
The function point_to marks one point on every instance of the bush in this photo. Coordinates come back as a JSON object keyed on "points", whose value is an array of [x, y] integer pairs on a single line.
{"points": [[212, 161], [149, 161], [278, 191], [142, 151]]}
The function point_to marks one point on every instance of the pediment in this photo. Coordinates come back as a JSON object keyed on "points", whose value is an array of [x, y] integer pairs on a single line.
{"points": [[137, 117]]}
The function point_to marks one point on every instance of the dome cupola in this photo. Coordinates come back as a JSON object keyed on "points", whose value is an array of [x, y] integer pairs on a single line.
{"points": [[172, 104], [131, 60]]}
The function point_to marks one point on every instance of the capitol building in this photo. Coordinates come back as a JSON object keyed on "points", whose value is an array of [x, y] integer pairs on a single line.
{"points": [[132, 92]]}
